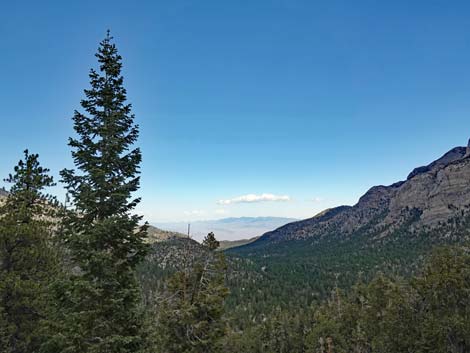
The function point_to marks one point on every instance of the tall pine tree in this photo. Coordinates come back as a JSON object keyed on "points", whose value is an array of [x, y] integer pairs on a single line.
{"points": [[27, 261], [102, 298]]}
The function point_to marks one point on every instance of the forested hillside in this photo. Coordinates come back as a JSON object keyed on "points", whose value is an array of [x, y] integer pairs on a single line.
{"points": [[391, 230]]}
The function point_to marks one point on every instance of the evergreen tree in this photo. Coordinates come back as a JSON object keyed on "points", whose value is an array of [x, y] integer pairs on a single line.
{"points": [[27, 261], [442, 304], [211, 242], [190, 315], [101, 299]]}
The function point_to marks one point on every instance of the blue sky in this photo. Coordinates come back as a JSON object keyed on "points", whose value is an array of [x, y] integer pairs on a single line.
{"points": [[307, 102]]}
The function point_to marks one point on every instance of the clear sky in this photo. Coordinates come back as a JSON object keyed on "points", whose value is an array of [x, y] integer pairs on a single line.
{"points": [[307, 102]]}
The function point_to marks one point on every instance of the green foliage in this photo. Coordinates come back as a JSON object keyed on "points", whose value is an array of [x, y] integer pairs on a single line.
{"points": [[296, 274], [190, 310], [28, 264], [100, 301], [211, 242], [443, 302], [430, 314]]}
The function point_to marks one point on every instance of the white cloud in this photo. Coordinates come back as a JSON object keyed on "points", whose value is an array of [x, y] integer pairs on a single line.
{"points": [[249, 198], [317, 199]]}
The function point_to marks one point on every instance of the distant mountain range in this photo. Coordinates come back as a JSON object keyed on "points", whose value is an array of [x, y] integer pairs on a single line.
{"points": [[228, 228]]}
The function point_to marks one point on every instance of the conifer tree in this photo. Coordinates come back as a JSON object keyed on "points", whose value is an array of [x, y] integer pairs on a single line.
{"points": [[190, 314], [211, 242], [102, 297], [443, 302], [27, 261]]}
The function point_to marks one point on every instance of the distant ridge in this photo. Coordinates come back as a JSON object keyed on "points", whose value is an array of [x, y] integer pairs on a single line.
{"points": [[231, 229], [155, 235], [228, 244], [431, 196]]}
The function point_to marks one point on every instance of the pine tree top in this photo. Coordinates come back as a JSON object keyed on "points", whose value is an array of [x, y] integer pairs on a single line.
{"points": [[211, 242], [28, 181], [102, 150]]}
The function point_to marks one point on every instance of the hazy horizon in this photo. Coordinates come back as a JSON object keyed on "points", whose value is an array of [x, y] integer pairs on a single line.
{"points": [[231, 228]]}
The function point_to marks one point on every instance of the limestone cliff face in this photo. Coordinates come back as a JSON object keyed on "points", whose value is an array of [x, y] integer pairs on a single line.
{"points": [[451, 156], [430, 195], [439, 193]]}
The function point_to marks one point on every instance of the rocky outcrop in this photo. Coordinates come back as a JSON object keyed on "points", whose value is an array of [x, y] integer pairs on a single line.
{"points": [[451, 156], [440, 193], [431, 195], [467, 151]]}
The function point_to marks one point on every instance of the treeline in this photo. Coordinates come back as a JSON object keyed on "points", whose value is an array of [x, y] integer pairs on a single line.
{"points": [[68, 272]]}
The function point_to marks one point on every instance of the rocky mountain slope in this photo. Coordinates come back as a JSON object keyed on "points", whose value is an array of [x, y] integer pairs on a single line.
{"points": [[167, 255], [155, 235], [431, 196]]}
